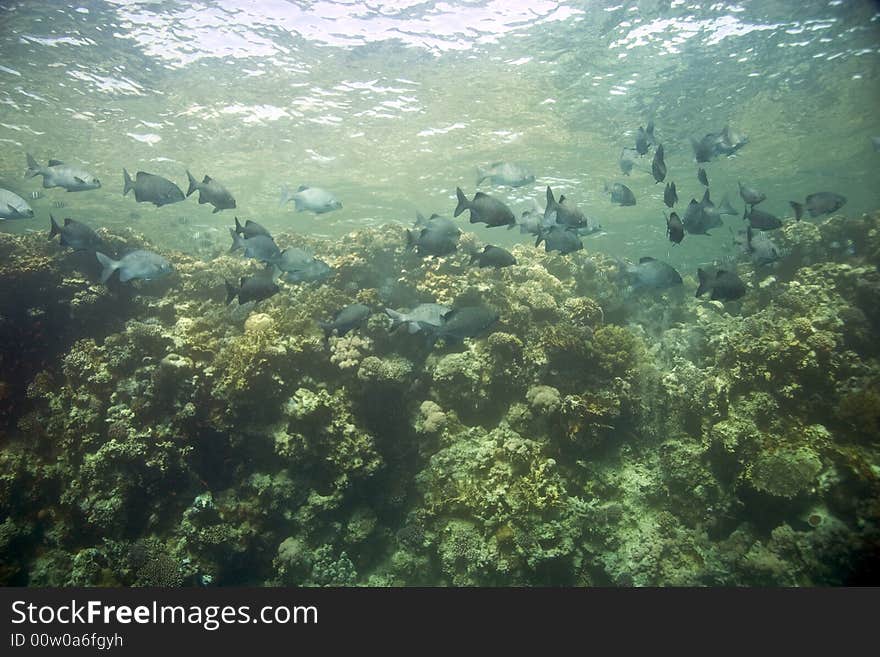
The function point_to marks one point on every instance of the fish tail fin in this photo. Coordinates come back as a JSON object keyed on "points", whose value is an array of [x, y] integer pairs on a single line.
{"points": [[237, 241], [798, 209], [463, 203], [540, 237], [704, 282], [231, 292], [54, 228], [410, 239], [128, 185], [239, 229], [33, 166], [396, 317], [482, 174], [285, 196], [193, 183], [108, 264]]}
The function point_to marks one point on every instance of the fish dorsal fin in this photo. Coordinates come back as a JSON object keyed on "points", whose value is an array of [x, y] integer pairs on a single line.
{"points": [[79, 180], [207, 179], [55, 163], [141, 175], [706, 200], [68, 221], [487, 248], [480, 195], [302, 188], [434, 216], [645, 259]]}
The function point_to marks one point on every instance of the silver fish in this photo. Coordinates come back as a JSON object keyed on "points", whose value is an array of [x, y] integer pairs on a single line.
{"points": [[58, 174]]}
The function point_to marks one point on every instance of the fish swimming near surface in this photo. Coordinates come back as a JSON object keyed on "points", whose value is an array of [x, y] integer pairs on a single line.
{"points": [[141, 264], [658, 166], [259, 247], [493, 256], [13, 206], [723, 285], [311, 199], [484, 209], [424, 317], [210, 191], [150, 188], [347, 319], [466, 322], [702, 177], [250, 229], [727, 142], [436, 236], [701, 217], [258, 287], [559, 238], [76, 235], [567, 214], [761, 220], [818, 204], [512, 174], [670, 195], [58, 174], [652, 273], [674, 229], [621, 194]]}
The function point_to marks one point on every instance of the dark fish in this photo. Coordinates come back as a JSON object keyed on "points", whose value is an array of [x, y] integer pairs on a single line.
{"points": [[729, 142], [141, 264], [211, 191], [670, 196], [467, 322], [76, 235], [511, 174], [493, 256], [347, 319], [704, 149], [258, 247], [567, 214], [308, 272], [701, 217], [818, 204], [649, 132], [702, 177], [750, 195], [250, 229], [674, 228], [438, 236], [150, 188], [658, 166], [58, 174], [876, 142], [724, 285], [621, 194], [762, 220], [642, 144], [652, 273], [484, 209], [253, 288], [559, 238]]}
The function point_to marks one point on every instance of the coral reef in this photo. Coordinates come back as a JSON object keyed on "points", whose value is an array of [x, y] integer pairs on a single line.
{"points": [[155, 437]]}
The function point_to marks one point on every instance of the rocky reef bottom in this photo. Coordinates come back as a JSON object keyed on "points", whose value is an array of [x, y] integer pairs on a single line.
{"points": [[596, 435]]}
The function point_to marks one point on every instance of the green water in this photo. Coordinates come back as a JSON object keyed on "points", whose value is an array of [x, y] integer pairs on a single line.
{"points": [[391, 107]]}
